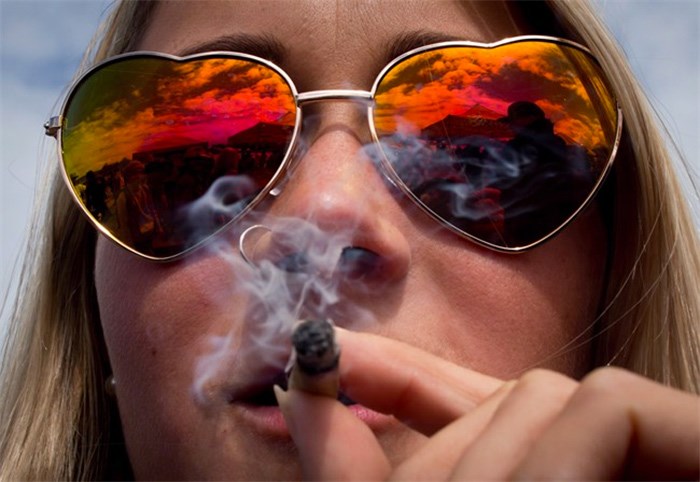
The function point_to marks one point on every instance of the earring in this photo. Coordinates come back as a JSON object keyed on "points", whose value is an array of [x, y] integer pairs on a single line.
{"points": [[111, 386]]}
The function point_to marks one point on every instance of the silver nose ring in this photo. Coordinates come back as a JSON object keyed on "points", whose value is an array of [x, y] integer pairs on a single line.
{"points": [[241, 241]]}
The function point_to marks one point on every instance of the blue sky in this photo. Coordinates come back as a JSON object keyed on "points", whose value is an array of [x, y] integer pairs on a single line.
{"points": [[41, 42]]}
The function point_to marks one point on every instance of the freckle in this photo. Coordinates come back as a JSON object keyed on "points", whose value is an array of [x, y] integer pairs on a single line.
{"points": [[153, 351]]}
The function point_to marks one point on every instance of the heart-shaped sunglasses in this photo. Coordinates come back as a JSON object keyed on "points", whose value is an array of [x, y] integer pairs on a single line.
{"points": [[502, 143]]}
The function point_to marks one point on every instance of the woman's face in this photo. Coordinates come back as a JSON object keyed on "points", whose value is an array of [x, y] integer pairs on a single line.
{"points": [[498, 314]]}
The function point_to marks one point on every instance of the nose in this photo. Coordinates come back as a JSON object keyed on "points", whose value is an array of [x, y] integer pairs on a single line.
{"points": [[338, 189]]}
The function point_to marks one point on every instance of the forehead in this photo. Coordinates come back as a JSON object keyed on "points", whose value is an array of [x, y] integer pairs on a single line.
{"points": [[323, 36]]}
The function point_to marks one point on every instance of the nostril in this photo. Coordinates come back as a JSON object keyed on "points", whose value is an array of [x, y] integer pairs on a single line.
{"points": [[294, 263], [354, 263], [357, 263]]}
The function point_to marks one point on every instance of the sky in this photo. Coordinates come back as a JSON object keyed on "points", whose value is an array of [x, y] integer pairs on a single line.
{"points": [[41, 43], [215, 108]]}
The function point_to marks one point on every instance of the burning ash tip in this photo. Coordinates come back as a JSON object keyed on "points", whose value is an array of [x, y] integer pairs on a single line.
{"points": [[315, 347]]}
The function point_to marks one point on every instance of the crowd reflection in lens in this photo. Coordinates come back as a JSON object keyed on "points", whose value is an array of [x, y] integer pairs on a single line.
{"points": [[143, 200], [508, 180]]}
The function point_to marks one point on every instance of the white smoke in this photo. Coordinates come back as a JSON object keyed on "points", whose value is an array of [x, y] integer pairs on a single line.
{"points": [[296, 272]]}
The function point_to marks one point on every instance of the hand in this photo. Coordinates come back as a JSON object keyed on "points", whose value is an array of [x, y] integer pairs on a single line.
{"points": [[613, 424]]}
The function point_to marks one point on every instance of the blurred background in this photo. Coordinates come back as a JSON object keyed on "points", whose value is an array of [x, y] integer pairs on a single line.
{"points": [[42, 41]]}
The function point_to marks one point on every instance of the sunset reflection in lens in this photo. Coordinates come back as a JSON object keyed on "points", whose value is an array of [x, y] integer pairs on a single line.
{"points": [[503, 143], [143, 137]]}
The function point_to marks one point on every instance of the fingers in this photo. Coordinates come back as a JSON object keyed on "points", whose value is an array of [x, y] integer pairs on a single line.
{"points": [[391, 377], [613, 425], [437, 458], [420, 389], [333, 443], [619, 424], [544, 426], [520, 418]]}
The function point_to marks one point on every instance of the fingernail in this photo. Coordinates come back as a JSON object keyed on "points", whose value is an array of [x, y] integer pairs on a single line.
{"points": [[283, 402], [282, 397]]}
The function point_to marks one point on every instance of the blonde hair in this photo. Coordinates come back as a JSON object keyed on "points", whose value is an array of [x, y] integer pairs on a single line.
{"points": [[57, 423], [650, 321]]}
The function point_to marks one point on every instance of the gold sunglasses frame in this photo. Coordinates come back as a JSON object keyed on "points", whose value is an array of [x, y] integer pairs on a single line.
{"points": [[54, 125]]}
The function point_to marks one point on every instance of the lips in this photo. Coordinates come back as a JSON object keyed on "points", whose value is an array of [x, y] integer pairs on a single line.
{"points": [[261, 393], [254, 405]]}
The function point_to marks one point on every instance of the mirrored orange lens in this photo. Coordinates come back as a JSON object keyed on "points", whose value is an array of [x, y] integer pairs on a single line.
{"points": [[504, 143], [163, 153]]}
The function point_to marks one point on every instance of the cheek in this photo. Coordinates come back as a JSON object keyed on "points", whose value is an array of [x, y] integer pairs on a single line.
{"points": [[141, 304], [158, 319], [146, 306], [508, 313]]}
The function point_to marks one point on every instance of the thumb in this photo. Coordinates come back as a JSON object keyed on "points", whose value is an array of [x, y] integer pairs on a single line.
{"points": [[333, 443]]}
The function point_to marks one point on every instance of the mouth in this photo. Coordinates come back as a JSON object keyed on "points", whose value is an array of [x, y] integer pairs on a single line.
{"points": [[262, 395], [256, 405]]}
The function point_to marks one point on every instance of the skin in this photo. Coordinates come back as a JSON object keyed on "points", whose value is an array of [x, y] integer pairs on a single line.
{"points": [[506, 314]]}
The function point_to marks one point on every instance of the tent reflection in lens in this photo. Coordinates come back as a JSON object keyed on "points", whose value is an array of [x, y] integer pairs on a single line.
{"points": [[146, 136], [503, 143]]}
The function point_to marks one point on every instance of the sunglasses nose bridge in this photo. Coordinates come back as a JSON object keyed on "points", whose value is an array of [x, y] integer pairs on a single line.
{"points": [[312, 96], [320, 116]]}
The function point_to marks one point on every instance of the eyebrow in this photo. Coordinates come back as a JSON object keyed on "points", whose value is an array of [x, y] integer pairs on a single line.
{"points": [[263, 46], [412, 40]]}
